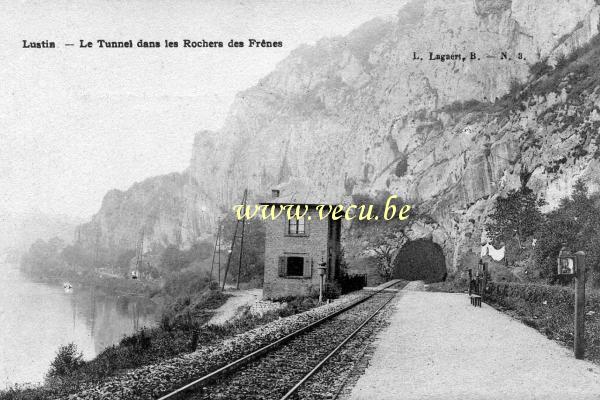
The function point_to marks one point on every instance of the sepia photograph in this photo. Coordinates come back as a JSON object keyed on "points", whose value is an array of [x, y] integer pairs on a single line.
{"points": [[300, 199]]}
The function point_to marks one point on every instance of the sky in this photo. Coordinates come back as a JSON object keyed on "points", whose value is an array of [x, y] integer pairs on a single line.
{"points": [[77, 122]]}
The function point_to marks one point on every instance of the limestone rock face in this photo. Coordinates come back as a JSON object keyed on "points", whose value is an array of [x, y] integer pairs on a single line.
{"points": [[360, 114], [365, 113], [169, 209]]}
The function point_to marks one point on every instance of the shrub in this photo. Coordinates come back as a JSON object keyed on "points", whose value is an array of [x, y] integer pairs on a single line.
{"points": [[573, 223], [561, 62], [401, 167], [185, 283], [549, 309], [352, 282], [539, 68], [68, 359], [331, 291]]}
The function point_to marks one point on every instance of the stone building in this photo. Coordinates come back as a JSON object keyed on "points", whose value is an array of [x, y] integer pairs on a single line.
{"points": [[294, 248]]}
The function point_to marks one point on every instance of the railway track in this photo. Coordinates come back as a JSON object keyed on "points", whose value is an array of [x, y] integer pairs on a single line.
{"points": [[281, 368]]}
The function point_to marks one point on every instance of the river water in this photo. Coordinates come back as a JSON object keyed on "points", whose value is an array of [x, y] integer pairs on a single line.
{"points": [[37, 318]]}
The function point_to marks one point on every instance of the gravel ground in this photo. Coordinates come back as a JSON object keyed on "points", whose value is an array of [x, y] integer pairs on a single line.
{"points": [[340, 373], [438, 346], [271, 376], [154, 380], [232, 306]]}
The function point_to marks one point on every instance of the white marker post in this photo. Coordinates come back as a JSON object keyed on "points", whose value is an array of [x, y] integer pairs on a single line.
{"points": [[574, 264]]}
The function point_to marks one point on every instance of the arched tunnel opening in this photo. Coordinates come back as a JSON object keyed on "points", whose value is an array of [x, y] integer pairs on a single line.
{"points": [[420, 260]]}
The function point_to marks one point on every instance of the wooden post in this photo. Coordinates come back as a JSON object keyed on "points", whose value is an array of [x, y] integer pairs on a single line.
{"points": [[470, 279], [235, 231], [579, 342], [219, 254], [212, 264], [483, 281]]}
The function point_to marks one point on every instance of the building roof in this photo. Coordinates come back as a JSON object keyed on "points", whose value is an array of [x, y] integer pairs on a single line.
{"points": [[301, 191]]}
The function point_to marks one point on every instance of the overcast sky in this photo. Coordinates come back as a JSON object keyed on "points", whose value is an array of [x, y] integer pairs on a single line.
{"points": [[75, 123]]}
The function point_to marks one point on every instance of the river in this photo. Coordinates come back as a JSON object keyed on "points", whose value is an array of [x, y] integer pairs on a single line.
{"points": [[37, 318]]}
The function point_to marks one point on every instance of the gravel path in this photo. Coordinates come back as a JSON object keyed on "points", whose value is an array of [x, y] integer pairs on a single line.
{"points": [[237, 301], [438, 346]]}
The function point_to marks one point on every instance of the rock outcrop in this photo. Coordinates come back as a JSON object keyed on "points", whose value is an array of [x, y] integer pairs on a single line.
{"points": [[169, 209], [363, 113], [359, 114]]}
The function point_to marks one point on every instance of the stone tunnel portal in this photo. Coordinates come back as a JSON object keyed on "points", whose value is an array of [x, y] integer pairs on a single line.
{"points": [[420, 260]]}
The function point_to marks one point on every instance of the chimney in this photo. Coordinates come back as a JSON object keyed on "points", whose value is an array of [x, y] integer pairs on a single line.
{"points": [[275, 193]]}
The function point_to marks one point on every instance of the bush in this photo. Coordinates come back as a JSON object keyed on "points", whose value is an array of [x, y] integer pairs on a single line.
{"points": [[401, 167], [574, 223], [561, 62], [185, 283], [351, 282], [68, 359], [331, 291], [140, 340], [539, 68], [549, 309]]}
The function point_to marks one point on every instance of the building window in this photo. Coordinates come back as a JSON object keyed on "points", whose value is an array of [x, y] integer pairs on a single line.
{"points": [[296, 227], [295, 266]]}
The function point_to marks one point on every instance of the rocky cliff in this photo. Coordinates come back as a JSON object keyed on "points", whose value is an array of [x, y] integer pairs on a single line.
{"points": [[369, 111], [360, 113], [169, 209]]}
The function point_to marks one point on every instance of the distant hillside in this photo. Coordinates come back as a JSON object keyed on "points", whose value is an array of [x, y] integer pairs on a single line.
{"points": [[167, 209], [18, 232]]}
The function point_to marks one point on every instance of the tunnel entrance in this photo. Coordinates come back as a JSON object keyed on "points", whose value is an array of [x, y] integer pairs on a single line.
{"points": [[420, 260]]}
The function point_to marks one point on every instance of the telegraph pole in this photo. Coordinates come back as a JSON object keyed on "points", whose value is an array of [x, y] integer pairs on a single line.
{"points": [[233, 242], [216, 249], [237, 283]]}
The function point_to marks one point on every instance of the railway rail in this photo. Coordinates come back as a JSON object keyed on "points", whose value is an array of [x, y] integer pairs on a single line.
{"points": [[279, 369]]}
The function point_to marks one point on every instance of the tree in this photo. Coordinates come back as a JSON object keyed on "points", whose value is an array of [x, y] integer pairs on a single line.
{"points": [[384, 240], [574, 224], [199, 251], [173, 259], [380, 238], [516, 216], [77, 256], [123, 261], [43, 258]]}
